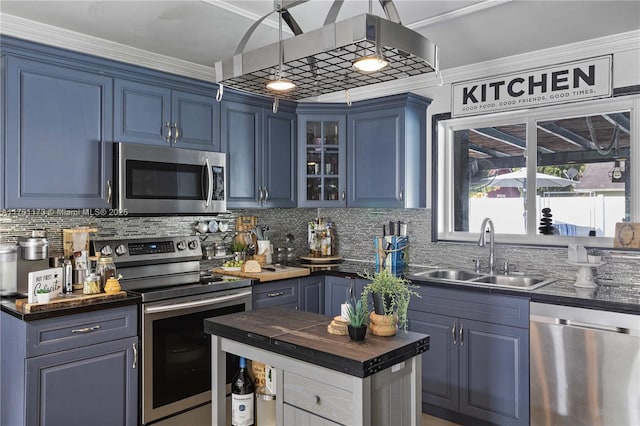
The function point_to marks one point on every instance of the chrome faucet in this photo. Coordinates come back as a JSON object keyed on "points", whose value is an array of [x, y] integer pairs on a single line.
{"points": [[482, 242]]}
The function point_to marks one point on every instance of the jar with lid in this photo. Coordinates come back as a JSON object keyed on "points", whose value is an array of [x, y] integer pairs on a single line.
{"points": [[91, 284], [106, 269], [8, 269]]}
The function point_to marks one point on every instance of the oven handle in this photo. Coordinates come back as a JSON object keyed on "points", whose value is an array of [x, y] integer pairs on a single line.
{"points": [[196, 303], [209, 181]]}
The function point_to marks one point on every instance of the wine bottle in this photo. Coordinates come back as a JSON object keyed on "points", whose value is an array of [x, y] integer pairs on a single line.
{"points": [[242, 397]]}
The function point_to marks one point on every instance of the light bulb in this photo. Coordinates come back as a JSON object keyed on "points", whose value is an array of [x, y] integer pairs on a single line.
{"points": [[370, 64], [281, 85]]}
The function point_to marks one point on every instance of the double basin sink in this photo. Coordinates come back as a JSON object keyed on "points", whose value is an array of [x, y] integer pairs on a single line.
{"points": [[505, 281]]}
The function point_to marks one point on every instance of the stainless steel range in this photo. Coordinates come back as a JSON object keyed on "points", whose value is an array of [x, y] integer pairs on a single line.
{"points": [[176, 298]]}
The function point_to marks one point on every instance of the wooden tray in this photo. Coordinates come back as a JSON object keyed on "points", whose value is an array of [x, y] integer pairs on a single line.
{"points": [[278, 274], [62, 302]]}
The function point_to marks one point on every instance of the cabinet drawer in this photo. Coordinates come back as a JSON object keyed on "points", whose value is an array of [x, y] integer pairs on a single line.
{"points": [[470, 304], [275, 294], [73, 331], [319, 398]]}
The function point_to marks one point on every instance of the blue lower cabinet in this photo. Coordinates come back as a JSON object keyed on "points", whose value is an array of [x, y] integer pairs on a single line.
{"points": [[477, 366], [275, 293], [337, 291], [58, 136], [90, 385], [312, 294]]}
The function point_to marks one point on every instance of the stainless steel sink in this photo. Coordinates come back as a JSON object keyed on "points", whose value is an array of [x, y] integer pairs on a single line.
{"points": [[449, 274], [471, 278], [514, 281]]}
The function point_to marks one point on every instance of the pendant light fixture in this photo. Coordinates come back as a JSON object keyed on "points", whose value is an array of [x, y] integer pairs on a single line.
{"points": [[372, 63], [280, 84]]}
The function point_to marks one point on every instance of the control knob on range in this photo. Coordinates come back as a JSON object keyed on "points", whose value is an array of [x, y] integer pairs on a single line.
{"points": [[106, 250], [121, 249], [182, 244], [193, 244]]}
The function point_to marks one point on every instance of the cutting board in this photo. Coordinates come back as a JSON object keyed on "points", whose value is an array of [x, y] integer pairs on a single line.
{"points": [[278, 274], [66, 301]]}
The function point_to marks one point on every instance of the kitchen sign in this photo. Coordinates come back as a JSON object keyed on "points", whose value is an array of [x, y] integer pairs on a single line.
{"points": [[563, 83]]}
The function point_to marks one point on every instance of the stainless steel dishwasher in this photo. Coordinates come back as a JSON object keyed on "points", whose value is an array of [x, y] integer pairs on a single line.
{"points": [[585, 366]]}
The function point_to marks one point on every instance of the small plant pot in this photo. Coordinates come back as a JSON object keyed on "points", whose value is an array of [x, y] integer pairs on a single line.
{"points": [[380, 302], [357, 333], [43, 297], [594, 258]]}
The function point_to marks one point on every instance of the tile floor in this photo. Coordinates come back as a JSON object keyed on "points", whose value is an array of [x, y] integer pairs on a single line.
{"points": [[428, 420]]}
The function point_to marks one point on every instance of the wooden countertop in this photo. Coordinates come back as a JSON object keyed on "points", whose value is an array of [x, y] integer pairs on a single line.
{"points": [[267, 275], [304, 336]]}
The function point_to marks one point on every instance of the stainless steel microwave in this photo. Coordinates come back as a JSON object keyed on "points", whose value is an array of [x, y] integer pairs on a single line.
{"points": [[166, 180]]}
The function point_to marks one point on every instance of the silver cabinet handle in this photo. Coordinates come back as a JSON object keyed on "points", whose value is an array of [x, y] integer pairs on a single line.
{"points": [[317, 399], [453, 333], [401, 194], [461, 334], [86, 329], [280, 293], [344, 195], [168, 126], [266, 194], [260, 193], [176, 133], [135, 355], [209, 181], [109, 191]]}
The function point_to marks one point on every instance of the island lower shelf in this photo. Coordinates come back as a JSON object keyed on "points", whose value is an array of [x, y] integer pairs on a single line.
{"points": [[307, 392]]}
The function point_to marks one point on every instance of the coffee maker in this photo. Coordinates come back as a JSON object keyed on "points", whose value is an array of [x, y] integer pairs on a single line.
{"points": [[33, 255]]}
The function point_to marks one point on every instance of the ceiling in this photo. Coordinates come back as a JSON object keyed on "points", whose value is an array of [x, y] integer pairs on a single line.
{"points": [[205, 31]]}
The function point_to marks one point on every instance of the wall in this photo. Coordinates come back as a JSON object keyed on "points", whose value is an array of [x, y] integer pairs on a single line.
{"points": [[355, 229]]}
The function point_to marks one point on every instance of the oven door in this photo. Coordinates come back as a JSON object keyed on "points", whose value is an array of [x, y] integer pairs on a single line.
{"points": [[176, 363], [162, 180]]}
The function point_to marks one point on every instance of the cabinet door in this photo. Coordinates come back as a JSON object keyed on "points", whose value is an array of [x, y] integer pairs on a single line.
{"points": [[241, 132], [337, 290], [197, 120], [277, 293], [312, 294], [83, 386], [278, 160], [58, 136], [494, 372], [440, 362], [376, 159], [142, 113], [296, 416], [322, 160]]}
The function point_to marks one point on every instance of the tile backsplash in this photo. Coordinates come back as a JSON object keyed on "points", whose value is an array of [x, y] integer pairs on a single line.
{"points": [[355, 229]]}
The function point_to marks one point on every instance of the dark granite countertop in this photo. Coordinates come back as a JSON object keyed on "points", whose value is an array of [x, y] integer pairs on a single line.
{"points": [[304, 336], [610, 296], [8, 305]]}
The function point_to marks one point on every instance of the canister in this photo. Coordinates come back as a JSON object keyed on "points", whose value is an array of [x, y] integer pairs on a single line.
{"points": [[33, 248], [106, 269], [8, 269], [91, 284]]}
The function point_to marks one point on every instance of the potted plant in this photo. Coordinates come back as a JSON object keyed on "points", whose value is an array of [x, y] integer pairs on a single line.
{"points": [[238, 249], [357, 315], [43, 295], [391, 295]]}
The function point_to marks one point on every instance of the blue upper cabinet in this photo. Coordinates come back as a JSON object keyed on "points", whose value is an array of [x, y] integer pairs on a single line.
{"points": [[387, 152], [158, 115], [58, 136], [322, 156], [372, 154], [260, 148], [278, 159]]}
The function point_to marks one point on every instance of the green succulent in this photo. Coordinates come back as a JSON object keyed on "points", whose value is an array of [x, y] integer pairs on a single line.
{"points": [[357, 313]]}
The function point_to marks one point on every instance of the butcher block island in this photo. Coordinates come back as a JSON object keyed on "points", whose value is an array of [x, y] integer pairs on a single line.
{"points": [[322, 377]]}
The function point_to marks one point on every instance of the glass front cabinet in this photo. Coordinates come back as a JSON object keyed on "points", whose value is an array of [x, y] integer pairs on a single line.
{"points": [[322, 165]]}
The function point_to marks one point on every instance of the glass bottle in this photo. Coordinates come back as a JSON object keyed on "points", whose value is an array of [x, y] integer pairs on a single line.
{"points": [[106, 269], [242, 397], [91, 284]]}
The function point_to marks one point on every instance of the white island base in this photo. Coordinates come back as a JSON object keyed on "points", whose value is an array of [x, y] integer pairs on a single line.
{"points": [[307, 394]]}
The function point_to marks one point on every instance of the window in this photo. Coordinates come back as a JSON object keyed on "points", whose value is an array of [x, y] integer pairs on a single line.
{"points": [[548, 176]]}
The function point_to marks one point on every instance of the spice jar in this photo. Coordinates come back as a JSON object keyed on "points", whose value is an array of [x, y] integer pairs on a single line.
{"points": [[91, 284], [106, 269]]}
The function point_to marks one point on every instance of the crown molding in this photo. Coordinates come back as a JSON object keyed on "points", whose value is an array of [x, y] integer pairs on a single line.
{"points": [[53, 36]]}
